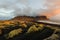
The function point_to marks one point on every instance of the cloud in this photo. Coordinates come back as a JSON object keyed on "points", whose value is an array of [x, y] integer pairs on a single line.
{"points": [[20, 7], [6, 14]]}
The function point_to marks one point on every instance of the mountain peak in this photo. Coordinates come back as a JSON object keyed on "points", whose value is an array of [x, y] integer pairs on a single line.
{"points": [[29, 18]]}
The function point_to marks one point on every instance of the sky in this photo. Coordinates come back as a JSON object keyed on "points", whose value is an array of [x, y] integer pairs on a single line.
{"points": [[12, 8]]}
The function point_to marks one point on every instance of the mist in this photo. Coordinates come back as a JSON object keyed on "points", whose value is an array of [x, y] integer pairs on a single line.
{"points": [[53, 12]]}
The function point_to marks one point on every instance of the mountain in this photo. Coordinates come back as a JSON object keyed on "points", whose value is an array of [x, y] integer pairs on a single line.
{"points": [[23, 28]]}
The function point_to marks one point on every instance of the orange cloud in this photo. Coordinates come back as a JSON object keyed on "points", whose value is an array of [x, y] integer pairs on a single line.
{"points": [[52, 13]]}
